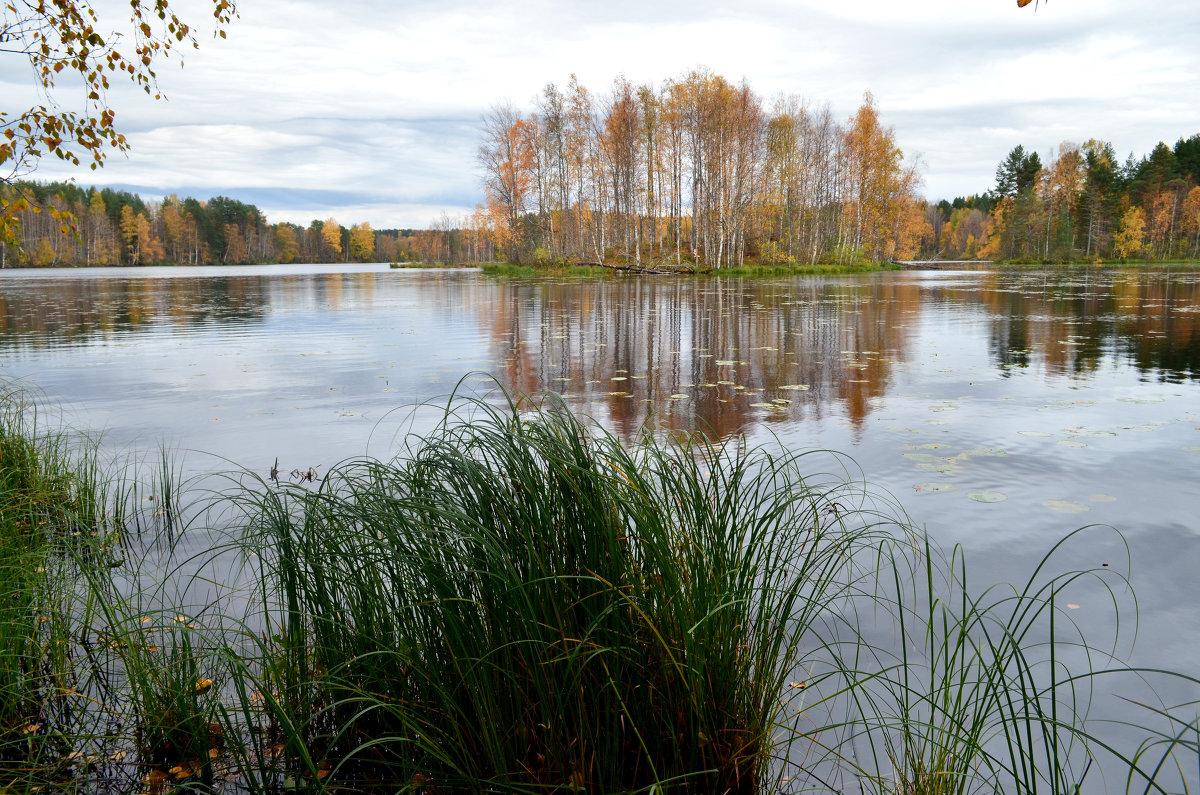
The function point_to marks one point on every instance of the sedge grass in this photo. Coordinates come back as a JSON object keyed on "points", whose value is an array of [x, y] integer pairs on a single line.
{"points": [[522, 603]]}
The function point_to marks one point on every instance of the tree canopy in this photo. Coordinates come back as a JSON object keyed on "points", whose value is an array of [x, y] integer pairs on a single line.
{"points": [[72, 42]]}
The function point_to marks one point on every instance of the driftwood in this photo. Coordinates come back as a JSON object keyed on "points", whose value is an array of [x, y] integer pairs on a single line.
{"points": [[939, 264], [640, 269]]}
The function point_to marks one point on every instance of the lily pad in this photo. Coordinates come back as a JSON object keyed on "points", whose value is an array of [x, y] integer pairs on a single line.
{"points": [[928, 458], [981, 452], [795, 387], [1065, 506], [987, 496], [1071, 443], [936, 486], [1102, 498], [679, 397]]}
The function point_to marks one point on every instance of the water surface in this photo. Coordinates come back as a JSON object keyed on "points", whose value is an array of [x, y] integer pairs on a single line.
{"points": [[1002, 409]]}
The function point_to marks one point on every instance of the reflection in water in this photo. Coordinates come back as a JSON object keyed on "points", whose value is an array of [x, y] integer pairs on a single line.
{"points": [[1070, 326], [680, 354], [711, 355], [47, 313]]}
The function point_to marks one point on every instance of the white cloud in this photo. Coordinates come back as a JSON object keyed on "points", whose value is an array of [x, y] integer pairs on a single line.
{"points": [[377, 105]]}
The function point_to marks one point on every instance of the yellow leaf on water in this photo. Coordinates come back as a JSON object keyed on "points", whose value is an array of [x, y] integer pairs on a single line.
{"points": [[203, 685], [1073, 607]]}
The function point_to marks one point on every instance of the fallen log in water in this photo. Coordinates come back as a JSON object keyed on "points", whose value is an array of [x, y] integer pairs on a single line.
{"points": [[640, 269]]}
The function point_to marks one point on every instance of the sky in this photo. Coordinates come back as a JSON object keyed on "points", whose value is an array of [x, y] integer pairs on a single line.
{"points": [[371, 111]]}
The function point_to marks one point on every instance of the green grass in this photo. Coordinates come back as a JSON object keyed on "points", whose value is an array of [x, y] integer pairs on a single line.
{"points": [[510, 270], [522, 603]]}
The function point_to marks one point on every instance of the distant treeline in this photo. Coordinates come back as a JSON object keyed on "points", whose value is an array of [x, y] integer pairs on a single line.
{"points": [[64, 224], [1083, 204]]}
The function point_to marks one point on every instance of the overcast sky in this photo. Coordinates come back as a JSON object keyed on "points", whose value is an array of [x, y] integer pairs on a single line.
{"points": [[370, 111]]}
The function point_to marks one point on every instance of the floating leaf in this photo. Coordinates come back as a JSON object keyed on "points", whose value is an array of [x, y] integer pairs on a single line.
{"points": [[1072, 606], [928, 458], [1102, 498], [679, 397], [1065, 506], [935, 486], [987, 496], [1071, 443], [795, 387]]}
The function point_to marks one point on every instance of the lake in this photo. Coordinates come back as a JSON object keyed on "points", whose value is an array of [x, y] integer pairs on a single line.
{"points": [[1002, 409]]}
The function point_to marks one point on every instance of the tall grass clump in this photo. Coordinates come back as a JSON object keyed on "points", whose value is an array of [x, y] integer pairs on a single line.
{"points": [[969, 691], [524, 603], [43, 507]]}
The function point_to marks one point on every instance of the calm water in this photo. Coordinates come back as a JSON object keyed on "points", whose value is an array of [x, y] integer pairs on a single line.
{"points": [[1063, 398]]}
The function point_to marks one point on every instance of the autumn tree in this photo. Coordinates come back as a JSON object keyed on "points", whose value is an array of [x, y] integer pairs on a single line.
{"points": [[1131, 233], [71, 41], [507, 156], [286, 245], [362, 242], [1190, 219], [331, 238]]}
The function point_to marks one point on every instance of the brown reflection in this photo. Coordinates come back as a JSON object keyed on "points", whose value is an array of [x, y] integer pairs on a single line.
{"points": [[1070, 326], [41, 313], [711, 355]]}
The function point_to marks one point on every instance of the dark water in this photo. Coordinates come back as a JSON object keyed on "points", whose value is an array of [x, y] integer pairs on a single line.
{"points": [[1002, 409]]}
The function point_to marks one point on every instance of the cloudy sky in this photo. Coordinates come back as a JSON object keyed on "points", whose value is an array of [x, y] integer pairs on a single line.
{"points": [[370, 111]]}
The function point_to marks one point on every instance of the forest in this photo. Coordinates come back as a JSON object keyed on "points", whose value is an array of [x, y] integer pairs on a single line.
{"points": [[1081, 204], [700, 170], [63, 224], [697, 172]]}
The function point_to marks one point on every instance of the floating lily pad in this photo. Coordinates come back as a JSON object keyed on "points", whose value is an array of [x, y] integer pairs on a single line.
{"points": [[679, 397], [1190, 449], [1102, 498], [1148, 427], [795, 387], [936, 486], [987, 496], [1144, 401], [1071, 443], [618, 378], [925, 457], [1065, 506], [764, 405], [945, 467], [981, 452]]}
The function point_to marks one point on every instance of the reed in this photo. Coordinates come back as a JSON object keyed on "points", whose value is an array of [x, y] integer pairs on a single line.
{"points": [[522, 603]]}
